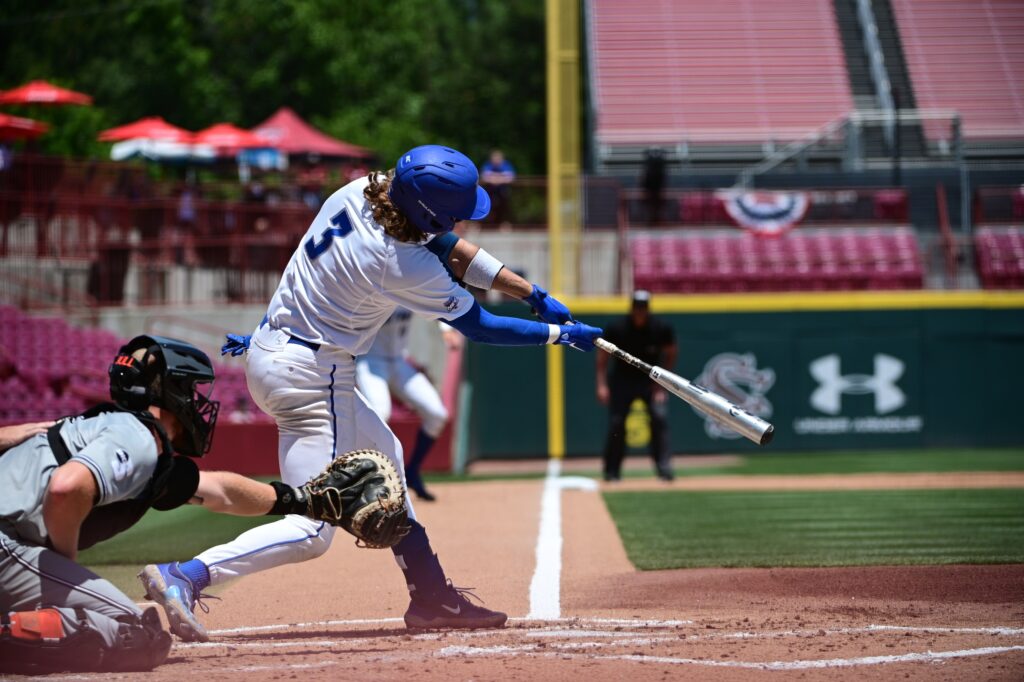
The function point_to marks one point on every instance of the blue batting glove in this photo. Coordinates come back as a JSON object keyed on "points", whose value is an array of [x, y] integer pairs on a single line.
{"points": [[548, 308], [236, 345], [580, 336]]}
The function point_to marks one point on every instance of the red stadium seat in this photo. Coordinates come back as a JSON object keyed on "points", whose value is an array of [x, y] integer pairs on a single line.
{"points": [[839, 259], [1000, 257]]}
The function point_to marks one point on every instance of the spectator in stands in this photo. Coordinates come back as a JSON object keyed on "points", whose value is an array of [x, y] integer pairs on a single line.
{"points": [[255, 192], [496, 176], [653, 341], [311, 182], [184, 232], [653, 182], [6, 157]]}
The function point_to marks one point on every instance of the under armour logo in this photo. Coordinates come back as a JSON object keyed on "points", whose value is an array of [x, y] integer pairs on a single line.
{"points": [[827, 397]]}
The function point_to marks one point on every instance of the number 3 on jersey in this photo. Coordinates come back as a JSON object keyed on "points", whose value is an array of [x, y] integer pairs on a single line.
{"points": [[340, 226]]}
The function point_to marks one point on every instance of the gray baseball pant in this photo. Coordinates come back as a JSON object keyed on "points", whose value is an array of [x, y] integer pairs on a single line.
{"points": [[33, 577]]}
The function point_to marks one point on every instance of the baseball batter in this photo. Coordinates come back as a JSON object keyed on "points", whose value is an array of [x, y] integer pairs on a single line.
{"points": [[386, 370], [381, 242]]}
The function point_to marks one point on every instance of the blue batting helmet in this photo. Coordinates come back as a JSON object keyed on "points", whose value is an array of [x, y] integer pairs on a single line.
{"points": [[435, 186]]}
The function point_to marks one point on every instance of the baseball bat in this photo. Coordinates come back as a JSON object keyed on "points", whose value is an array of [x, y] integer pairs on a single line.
{"points": [[710, 403]]}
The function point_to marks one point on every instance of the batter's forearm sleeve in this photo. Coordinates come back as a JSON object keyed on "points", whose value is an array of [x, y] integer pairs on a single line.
{"points": [[481, 326]]}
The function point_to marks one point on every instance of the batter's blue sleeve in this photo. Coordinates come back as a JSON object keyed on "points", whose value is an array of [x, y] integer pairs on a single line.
{"points": [[441, 246], [481, 326]]}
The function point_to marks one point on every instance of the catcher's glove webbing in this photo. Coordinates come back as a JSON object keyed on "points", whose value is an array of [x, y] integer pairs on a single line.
{"points": [[362, 492]]}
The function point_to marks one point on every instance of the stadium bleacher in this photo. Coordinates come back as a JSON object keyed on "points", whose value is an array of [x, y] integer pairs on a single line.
{"points": [[848, 258], [729, 71], [1000, 256], [49, 369], [967, 56]]}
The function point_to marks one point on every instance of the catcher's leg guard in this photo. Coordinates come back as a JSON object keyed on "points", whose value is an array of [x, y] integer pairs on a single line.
{"points": [[35, 642], [143, 644]]}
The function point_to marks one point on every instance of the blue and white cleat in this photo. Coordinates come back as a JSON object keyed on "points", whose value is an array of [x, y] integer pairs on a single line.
{"points": [[168, 586]]}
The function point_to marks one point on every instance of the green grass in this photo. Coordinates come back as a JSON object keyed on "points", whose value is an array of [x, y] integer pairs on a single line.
{"points": [[802, 463], [836, 528], [855, 462], [163, 536], [170, 536]]}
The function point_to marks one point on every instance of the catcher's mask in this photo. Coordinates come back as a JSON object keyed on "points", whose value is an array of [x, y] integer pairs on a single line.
{"points": [[436, 186], [169, 375]]}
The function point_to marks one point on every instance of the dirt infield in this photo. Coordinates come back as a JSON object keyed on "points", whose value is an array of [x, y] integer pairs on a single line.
{"points": [[340, 616]]}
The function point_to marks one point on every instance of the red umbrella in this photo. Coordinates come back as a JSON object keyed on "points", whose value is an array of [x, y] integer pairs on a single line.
{"points": [[289, 133], [41, 92], [17, 128], [228, 139], [151, 128]]}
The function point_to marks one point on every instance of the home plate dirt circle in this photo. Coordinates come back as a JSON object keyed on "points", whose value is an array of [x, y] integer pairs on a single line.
{"points": [[604, 648]]}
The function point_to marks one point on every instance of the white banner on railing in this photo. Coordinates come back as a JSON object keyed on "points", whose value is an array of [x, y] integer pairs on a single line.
{"points": [[765, 213]]}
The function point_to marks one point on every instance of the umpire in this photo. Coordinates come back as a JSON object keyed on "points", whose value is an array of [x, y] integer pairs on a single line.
{"points": [[653, 341]]}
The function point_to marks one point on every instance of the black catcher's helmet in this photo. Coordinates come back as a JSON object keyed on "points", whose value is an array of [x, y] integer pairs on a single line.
{"points": [[167, 373]]}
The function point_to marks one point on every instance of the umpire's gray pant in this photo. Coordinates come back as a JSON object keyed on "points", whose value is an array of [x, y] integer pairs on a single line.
{"points": [[33, 577]]}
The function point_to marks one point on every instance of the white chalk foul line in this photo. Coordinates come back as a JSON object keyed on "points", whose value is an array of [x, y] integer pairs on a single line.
{"points": [[311, 624], [940, 629], [621, 622], [925, 657], [557, 624], [809, 632], [323, 643], [545, 587]]}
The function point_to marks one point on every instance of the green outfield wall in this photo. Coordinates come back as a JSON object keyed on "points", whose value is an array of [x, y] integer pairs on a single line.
{"points": [[831, 371]]}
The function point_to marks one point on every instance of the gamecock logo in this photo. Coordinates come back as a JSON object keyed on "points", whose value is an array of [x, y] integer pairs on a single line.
{"points": [[736, 378]]}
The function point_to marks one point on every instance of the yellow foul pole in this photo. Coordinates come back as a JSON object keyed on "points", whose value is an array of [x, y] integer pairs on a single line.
{"points": [[563, 148]]}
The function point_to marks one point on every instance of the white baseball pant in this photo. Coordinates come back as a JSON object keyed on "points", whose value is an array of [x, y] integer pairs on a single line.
{"points": [[319, 414]]}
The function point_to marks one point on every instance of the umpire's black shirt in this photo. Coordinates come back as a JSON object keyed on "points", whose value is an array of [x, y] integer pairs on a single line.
{"points": [[647, 343]]}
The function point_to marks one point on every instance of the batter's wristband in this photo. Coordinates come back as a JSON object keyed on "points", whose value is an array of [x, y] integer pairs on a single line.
{"points": [[482, 270]]}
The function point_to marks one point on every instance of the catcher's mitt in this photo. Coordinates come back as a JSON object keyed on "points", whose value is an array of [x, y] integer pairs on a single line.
{"points": [[362, 492]]}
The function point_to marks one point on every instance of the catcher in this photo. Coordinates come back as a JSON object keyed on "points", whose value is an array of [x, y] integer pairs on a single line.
{"points": [[90, 477]]}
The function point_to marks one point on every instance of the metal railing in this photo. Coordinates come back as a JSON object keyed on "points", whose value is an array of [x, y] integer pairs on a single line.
{"points": [[879, 74], [850, 129]]}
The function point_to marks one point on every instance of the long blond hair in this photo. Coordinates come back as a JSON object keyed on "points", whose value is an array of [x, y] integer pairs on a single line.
{"points": [[385, 213]]}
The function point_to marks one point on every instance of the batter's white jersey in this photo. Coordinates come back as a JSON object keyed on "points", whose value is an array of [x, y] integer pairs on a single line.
{"points": [[392, 340], [348, 277]]}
